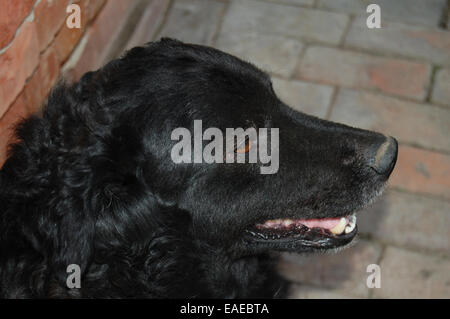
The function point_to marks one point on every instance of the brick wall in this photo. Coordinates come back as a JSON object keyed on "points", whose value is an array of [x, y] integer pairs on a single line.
{"points": [[37, 47]]}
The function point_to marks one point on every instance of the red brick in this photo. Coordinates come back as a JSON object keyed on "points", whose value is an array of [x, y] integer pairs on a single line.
{"points": [[39, 85], [422, 171], [358, 70], [17, 64], [419, 124], [12, 14], [67, 38], [33, 93], [48, 71], [49, 17], [92, 8], [15, 113]]}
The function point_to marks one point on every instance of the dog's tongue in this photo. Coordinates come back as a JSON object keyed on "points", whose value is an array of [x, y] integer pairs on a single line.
{"points": [[326, 223]]}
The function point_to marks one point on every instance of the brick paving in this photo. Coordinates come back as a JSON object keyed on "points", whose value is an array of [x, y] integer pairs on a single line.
{"points": [[394, 38], [350, 69], [420, 124], [396, 80], [416, 12], [441, 89], [408, 274], [311, 98], [343, 273], [199, 13]]}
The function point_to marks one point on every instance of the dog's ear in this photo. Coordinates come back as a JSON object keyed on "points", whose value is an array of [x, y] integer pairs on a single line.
{"points": [[116, 213], [72, 239], [48, 214], [129, 214], [112, 210]]}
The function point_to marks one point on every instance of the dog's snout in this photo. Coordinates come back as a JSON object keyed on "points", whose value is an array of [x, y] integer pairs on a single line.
{"points": [[384, 156]]}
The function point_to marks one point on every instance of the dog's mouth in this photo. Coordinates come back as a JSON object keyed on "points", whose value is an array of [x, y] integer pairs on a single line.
{"points": [[304, 234]]}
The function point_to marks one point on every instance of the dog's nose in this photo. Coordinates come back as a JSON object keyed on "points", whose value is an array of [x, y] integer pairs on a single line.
{"points": [[384, 156]]}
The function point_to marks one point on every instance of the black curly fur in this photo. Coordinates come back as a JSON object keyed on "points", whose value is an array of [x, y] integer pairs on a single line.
{"points": [[90, 182]]}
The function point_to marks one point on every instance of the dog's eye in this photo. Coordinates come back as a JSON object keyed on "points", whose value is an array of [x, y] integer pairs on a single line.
{"points": [[244, 147]]}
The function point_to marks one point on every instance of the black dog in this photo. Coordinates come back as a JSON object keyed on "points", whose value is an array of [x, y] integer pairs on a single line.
{"points": [[91, 182]]}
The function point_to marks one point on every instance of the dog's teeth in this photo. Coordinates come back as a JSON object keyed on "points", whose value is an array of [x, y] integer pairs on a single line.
{"points": [[340, 227], [287, 222], [351, 224], [349, 228], [270, 223], [352, 219]]}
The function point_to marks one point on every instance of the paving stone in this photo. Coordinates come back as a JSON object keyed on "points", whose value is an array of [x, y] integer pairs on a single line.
{"points": [[406, 274], [401, 39], [345, 271], [422, 171], [294, 2], [441, 89], [313, 99], [149, 23], [297, 291], [96, 45], [193, 21], [419, 124], [408, 220], [273, 54], [358, 70], [424, 12], [275, 19], [447, 24]]}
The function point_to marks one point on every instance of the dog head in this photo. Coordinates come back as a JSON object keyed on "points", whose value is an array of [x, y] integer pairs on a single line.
{"points": [[324, 174]]}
